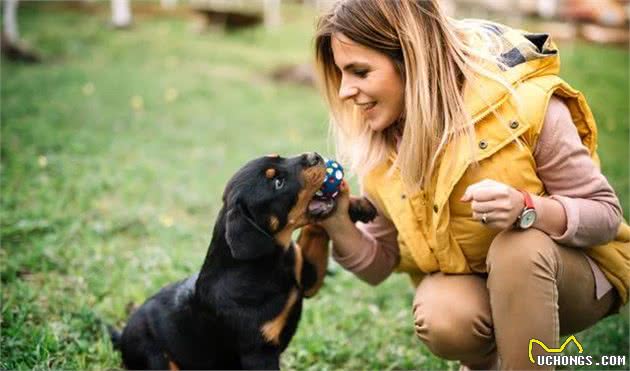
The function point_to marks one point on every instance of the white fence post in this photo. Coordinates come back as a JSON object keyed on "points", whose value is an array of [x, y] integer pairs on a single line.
{"points": [[10, 21], [121, 13], [272, 13]]}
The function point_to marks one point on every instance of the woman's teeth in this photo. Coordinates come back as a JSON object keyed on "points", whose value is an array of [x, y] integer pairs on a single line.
{"points": [[368, 106]]}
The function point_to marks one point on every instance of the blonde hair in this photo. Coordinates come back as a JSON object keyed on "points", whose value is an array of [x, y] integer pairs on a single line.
{"points": [[432, 53]]}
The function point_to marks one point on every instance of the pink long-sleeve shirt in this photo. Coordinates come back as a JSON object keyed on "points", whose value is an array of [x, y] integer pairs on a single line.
{"points": [[591, 206]]}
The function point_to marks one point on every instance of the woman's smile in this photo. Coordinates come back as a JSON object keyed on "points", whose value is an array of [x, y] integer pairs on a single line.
{"points": [[367, 107]]}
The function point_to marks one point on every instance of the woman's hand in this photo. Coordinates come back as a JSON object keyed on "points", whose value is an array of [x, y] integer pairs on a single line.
{"points": [[340, 214], [495, 204]]}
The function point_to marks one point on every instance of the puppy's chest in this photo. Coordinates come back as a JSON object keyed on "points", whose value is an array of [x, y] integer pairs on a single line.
{"points": [[263, 285], [286, 313], [278, 297]]}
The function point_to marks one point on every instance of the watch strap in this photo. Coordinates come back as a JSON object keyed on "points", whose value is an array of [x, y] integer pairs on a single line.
{"points": [[528, 205], [527, 198]]}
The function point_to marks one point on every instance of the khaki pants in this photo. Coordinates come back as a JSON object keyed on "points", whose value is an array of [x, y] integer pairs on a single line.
{"points": [[535, 288]]}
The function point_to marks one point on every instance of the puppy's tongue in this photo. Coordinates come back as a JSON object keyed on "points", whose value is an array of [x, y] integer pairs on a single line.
{"points": [[321, 207], [316, 204]]}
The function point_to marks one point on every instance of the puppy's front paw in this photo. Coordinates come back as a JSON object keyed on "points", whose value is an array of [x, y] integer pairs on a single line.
{"points": [[361, 210]]}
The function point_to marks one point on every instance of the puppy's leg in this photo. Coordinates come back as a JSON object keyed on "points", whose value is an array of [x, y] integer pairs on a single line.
{"points": [[313, 244], [260, 360], [147, 356]]}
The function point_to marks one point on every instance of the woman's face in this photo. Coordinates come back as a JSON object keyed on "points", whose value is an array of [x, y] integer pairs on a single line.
{"points": [[370, 79]]}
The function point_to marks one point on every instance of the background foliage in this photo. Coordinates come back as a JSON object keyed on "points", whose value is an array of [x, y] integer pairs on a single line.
{"points": [[115, 152]]}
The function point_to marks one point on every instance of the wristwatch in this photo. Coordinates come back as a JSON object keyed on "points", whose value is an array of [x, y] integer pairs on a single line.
{"points": [[528, 215]]}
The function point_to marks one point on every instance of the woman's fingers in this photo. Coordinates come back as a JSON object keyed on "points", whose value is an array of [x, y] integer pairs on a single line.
{"points": [[494, 204]]}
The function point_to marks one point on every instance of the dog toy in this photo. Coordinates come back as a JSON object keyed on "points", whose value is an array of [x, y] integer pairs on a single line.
{"points": [[332, 182]]}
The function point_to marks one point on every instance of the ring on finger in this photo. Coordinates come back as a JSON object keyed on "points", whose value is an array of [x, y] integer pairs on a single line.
{"points": [[484, 218]]}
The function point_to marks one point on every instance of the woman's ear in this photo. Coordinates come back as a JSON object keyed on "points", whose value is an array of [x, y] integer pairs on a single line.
{"points": [[244, 237]]}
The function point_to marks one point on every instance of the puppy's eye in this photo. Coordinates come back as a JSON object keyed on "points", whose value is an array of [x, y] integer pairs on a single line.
{"points": [[278, 183]]}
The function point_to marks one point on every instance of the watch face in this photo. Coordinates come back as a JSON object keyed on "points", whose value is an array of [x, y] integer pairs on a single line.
{"points": [[528, 218]]}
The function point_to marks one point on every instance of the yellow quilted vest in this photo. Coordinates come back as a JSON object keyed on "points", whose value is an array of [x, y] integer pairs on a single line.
{"points": [[435, 230]]}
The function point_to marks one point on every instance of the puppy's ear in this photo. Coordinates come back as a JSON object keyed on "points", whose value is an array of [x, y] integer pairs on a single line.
{"points": [[244, 237]]}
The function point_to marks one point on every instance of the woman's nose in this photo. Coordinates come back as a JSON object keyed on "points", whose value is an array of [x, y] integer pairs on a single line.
{"points": [[346, 91]]}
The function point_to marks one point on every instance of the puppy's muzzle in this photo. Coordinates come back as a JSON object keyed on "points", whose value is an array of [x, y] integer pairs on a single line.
{"points": [[312, 159]]}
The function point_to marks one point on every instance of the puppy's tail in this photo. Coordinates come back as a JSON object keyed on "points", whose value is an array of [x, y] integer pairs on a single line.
{"points": [[115, 336]]}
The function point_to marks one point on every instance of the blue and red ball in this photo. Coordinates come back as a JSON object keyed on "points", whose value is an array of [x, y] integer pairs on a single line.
{"points": [[334, 178]]}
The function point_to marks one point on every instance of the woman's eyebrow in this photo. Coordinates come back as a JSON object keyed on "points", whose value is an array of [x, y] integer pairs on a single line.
{"points": [[354, 65]]}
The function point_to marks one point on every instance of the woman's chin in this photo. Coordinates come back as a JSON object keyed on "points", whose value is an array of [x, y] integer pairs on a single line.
{"points": [[377, 125]]}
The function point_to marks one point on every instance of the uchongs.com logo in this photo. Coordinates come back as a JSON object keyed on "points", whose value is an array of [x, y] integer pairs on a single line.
{"points": [[554, 358]]}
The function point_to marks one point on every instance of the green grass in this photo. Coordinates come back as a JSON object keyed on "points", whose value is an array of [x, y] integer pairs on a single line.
{"points": [[103, 203]]}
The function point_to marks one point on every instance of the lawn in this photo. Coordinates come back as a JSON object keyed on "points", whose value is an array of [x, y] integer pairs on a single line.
{"points": [[115, 152]]}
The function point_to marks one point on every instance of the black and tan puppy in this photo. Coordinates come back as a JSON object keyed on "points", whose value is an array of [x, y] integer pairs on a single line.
{"points": [[243, 307]]}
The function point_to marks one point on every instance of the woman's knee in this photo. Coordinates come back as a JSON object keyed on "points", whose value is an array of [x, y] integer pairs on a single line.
{"points": [[517, 252], [454, 332]]}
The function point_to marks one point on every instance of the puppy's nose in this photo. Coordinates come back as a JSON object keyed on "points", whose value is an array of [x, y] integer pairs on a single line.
{"points": [[312, 159]]}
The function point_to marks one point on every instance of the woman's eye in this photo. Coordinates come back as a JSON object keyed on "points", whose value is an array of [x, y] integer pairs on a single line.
{"points": [[278, 183], [361, 73]]}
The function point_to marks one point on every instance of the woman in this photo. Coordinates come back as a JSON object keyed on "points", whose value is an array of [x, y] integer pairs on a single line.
{"points": [[481, 162]]}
